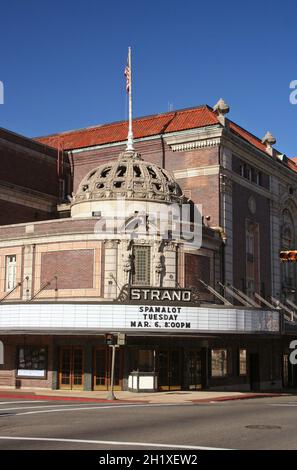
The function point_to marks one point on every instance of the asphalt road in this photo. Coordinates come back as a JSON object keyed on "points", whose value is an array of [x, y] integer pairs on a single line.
{"points": [[265, 423]]}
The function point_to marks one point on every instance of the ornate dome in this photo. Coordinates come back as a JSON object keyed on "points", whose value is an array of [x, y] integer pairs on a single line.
{"points": [[129, 177]]}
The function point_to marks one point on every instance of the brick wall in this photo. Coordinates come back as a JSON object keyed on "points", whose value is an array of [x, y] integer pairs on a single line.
{"points": [[198, 267], [11, 213], [73, 268], [24, 167], [241, 213], [28, 166]]}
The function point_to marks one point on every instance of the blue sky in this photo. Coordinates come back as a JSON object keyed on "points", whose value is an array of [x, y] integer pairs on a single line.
{"points": [[62, 62]]}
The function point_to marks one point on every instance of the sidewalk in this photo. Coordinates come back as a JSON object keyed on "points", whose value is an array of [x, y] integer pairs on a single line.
{"points": [[174, 397]]}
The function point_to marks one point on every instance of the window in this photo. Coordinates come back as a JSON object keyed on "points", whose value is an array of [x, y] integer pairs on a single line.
{"points": [[288, 243], [219, 362], [142, 265], [10, 272], [252, 258], [143, 360], [250, 173], [247, 173], [242, 362], [250, 241], [32, 361]]}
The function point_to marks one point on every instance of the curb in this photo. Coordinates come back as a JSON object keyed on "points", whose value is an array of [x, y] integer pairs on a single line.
{"points": [[29, 396], [241, 397], [32, 396]]}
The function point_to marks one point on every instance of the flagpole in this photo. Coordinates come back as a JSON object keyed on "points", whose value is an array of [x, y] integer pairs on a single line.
{"points": [[130, 132]]}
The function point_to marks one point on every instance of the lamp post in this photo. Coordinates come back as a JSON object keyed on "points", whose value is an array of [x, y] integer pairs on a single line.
{"points": [[111, 395]]}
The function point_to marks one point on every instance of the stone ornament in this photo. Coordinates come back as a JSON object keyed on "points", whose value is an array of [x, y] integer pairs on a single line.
{"points": [[252, 205], [129, 177]]}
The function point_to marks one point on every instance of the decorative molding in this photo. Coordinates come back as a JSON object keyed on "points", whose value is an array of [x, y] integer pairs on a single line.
{"points": [[24, 197], [198, 144], [252, 205], [111, 243], [193, 172]]}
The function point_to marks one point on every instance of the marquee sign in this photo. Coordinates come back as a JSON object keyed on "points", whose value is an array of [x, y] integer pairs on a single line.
{"points": [[129, 317], [158, 295]]}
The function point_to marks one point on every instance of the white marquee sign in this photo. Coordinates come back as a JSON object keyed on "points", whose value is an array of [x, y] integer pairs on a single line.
{"points": [[133, 317]]}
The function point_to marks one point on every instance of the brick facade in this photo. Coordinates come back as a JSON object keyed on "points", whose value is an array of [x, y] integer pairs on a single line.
{"points": [[31, 179], [73, 269]]}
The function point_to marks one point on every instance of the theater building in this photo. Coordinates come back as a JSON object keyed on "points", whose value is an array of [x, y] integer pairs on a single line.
{"points": [[101, 268]]}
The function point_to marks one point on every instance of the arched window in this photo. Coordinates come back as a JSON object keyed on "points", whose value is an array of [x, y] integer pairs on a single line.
{"points": [[288, 231], [288, 243]]}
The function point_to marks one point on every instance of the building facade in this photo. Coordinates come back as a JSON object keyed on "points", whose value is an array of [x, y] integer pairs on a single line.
{"points": [[99, 268]]}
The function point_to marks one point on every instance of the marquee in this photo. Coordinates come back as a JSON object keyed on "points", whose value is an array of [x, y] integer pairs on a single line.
{"points": [[103, 317]]}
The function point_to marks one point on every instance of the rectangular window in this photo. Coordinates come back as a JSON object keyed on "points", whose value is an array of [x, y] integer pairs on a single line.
{"points": [[248, 172], [32, 361], [242, 362], [254, 176], [142, 265], [10, 272], [145, 360], [219, 358]]}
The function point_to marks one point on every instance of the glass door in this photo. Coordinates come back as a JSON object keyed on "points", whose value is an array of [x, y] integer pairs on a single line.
{"points": [[195, 370], [77, 368], [71, 373], [169, 370], [101, 369]]}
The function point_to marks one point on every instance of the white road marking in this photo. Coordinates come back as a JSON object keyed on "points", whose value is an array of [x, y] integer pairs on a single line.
{"points": [[113, 443], [40, 406], [100, 408], [25, 401]]}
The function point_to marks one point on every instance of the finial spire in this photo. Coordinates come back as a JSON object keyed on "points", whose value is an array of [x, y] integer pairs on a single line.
{"points": [[128, 73]]}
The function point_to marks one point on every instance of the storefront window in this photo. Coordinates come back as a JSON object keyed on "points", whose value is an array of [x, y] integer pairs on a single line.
{"points": [[242, 362], [219, 362], [143, 360], [32, 361]]}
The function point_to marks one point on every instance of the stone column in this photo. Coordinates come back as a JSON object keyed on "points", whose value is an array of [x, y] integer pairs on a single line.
{"points": [[29, 253], [170, 264], [275, 217], [226, 222], [110, 269]]}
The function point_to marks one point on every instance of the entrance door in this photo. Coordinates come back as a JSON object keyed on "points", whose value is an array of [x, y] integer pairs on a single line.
{"points": [[254, 372], [169, 370], [195, 370], [102, 372], [71, 372]]}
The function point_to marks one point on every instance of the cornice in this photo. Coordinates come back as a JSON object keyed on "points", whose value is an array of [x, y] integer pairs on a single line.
{"points": [[27, 197]]}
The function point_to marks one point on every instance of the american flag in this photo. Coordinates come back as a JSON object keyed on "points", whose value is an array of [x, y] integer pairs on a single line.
{"points": [[127, 75]]}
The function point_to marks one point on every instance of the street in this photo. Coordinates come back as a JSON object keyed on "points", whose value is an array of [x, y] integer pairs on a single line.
{"points": [[264, 423]]}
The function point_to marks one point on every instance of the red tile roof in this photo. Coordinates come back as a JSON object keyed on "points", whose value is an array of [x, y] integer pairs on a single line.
{"points": [[292, 163], [142, 127], [147, 126], [252, 139]]}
